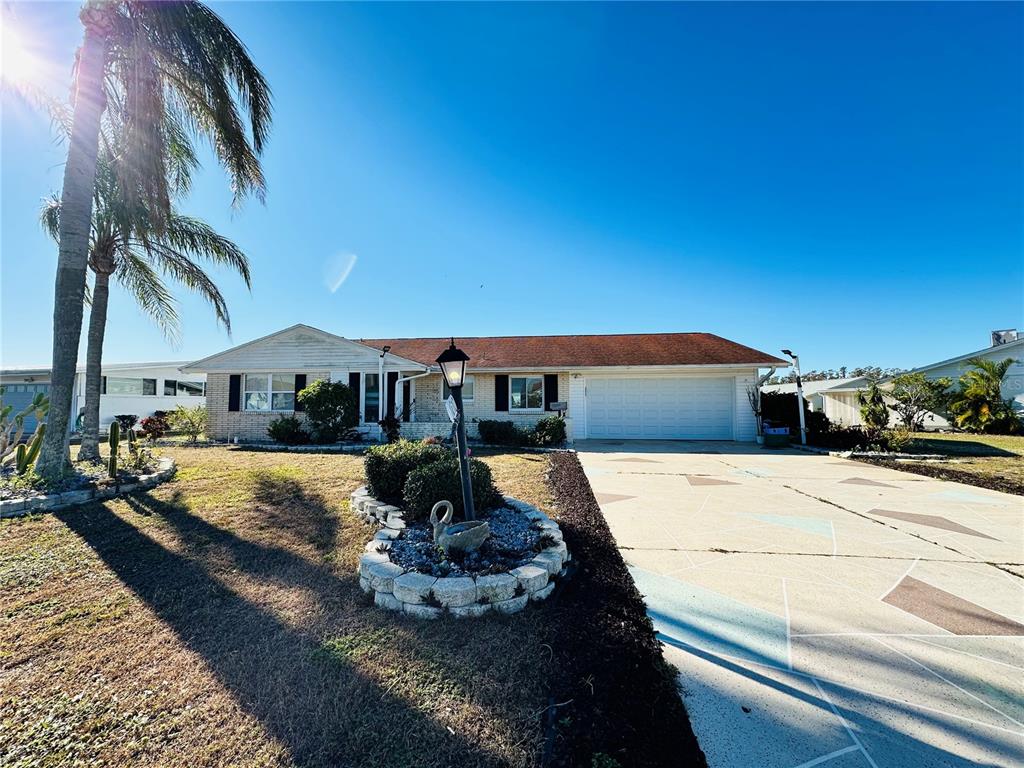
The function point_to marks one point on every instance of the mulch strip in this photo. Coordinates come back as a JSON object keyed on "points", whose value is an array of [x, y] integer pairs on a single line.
{"points": [[945, 472], [615, 694]]}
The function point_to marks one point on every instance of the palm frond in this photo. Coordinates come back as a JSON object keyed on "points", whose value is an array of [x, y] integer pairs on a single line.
{"points": [[49, 217], [198, 239], [140, 280], [183, 270]]}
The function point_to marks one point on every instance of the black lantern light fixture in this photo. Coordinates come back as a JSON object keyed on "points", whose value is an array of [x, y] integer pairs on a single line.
{"points": [[453, 367]]}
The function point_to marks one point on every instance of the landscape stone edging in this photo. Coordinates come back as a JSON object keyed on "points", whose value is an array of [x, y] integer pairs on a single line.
{"points": [[406, 590], [50, 502], [870, 454]]}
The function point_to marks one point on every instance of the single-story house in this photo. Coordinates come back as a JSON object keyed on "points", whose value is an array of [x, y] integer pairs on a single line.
{"points": [[812, 390], [623, 386], [838, 401], [127, 388]]}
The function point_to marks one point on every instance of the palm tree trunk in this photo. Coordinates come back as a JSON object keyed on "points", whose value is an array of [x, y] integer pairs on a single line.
{"points": [[75, 218], [90, 450]]}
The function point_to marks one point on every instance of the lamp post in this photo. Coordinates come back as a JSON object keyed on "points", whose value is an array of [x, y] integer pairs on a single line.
{"points": [[799, 394], [453, 367]]}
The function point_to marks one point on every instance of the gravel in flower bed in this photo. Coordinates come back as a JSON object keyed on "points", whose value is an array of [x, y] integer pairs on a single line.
{"points": [[513, 542]]}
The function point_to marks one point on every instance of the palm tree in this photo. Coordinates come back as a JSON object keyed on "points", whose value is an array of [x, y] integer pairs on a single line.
{"points": [[979, 405], [124, 244], [172, 71]]}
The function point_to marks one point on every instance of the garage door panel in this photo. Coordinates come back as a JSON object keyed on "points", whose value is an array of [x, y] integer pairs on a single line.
{"points": [[662, 407]]}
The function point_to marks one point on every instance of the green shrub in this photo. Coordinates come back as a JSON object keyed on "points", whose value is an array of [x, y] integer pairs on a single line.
{"points": [[439, 480], [288, 430], [190, 421], [387, 466], [897, 440], [332, 410], [501, 432], [549, 431]]}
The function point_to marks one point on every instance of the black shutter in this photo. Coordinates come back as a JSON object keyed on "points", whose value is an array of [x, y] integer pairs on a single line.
{"points": [[353, 383], [392, 386], [501, 393], [103, 386], [234, 391], [550, 390], [406, 400], [300, 384]]}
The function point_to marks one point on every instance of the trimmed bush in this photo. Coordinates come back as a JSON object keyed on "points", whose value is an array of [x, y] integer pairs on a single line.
{"points": [[549, 431], [439, 480], [288, 430], [332, 410], [388, 466], [501, 433]]}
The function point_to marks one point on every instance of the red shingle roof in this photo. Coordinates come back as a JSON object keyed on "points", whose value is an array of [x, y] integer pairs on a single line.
{"points": [[585, 351]]}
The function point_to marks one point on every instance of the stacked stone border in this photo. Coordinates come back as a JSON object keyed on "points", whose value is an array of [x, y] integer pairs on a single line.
{"points": [[52, 501], [428, 597]]}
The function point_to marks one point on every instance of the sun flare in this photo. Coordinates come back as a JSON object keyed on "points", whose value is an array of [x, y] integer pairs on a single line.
{"points": [[21, 61]]}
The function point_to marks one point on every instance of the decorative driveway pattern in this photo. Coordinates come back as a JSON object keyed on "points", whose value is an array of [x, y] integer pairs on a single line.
{"points": [[823, 611]]}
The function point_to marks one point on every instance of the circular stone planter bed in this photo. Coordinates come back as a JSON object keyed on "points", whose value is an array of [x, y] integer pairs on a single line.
{"points": [[46, 502], [404, 572]]}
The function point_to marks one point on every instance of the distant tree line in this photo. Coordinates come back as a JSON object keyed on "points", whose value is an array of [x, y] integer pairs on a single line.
{"points": [[868, 371]]}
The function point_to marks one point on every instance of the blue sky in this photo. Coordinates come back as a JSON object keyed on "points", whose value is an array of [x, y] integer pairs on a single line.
{"points": [[844, 180]]}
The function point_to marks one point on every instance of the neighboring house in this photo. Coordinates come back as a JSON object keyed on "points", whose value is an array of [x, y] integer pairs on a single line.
{"points": [[659, 386], [838, 401], [127, 388], [812, 390]]}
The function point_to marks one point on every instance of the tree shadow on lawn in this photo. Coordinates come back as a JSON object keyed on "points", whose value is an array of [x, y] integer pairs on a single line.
{"points": [[311, 696]]}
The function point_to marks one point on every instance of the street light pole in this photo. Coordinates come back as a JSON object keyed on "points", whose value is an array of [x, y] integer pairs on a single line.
{"points": [[799, 395]]}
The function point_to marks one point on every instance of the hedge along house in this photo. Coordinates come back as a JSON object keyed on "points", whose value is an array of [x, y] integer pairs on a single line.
{"points": [[627, 386]]}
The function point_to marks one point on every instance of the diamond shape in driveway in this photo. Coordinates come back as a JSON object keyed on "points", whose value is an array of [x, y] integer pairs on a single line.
{"points": [[822, 611]]}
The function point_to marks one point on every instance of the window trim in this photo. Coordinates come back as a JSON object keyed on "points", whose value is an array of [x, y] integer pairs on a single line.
{"points": [[528, 376], [469, 377], [269, 392]]}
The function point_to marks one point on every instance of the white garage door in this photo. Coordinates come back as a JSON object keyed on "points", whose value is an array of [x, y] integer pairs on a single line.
{"points": [[660, 408]]}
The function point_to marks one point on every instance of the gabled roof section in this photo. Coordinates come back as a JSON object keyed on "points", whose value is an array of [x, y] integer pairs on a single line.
{"points": [[586, 351], [212, 361], [1012, 348]]}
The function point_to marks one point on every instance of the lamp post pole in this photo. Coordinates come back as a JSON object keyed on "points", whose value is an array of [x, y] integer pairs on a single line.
{"points": [[453, 367], [460, 438]]}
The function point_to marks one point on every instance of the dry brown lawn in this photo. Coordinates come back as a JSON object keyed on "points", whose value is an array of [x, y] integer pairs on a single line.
{"points": [[989, 461], [217, 620]]}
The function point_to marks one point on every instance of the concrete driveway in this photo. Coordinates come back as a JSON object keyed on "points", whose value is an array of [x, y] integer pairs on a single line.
{"points": [[822, 611]]}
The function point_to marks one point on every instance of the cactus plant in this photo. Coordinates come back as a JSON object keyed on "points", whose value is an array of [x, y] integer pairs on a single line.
{"points": [[25, 456], [12, 425], [115, 441]]}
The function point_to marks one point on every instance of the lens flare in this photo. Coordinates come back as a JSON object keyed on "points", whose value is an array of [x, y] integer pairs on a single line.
{"points": [[24, 64], [337, 269]]}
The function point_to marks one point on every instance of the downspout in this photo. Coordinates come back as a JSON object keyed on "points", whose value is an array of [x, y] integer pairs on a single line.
{"points": [[402, 379], [760, 383]]}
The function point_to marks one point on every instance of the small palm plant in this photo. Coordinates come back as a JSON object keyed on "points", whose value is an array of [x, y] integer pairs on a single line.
{"points": [[979, 405]]}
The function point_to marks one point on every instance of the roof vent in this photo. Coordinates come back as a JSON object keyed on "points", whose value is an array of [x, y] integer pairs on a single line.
{"points": [[1004, 337]]}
